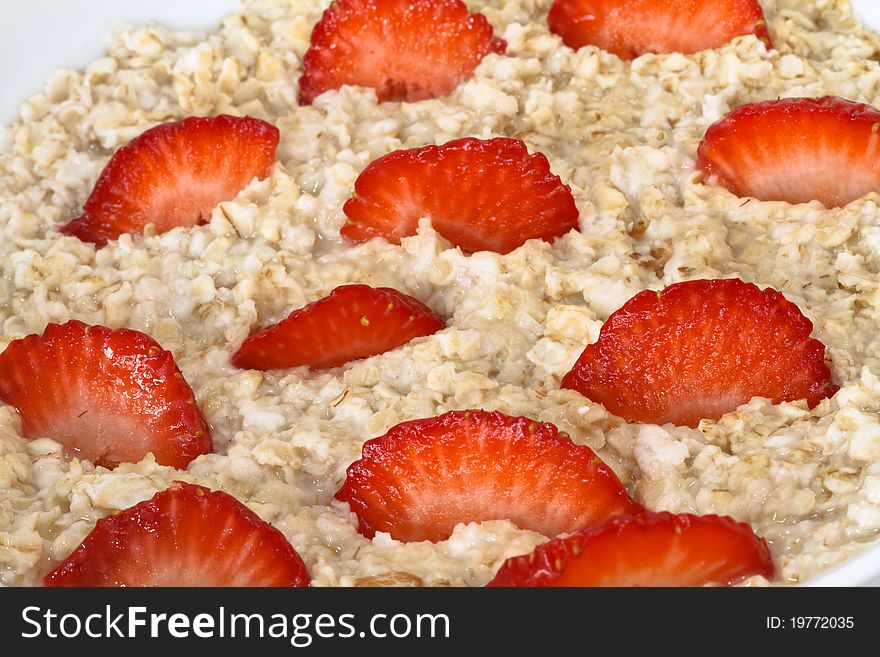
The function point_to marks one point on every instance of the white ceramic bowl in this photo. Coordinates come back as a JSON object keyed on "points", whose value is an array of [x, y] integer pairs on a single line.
{"points": [[868, 11], [39, 36]]}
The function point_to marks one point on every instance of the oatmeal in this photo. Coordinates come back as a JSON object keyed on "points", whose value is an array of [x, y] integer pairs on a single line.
{"points": [[623, 135]]}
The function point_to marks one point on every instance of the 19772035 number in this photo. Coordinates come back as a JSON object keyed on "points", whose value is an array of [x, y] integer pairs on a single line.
{"points": [[810, 622]]}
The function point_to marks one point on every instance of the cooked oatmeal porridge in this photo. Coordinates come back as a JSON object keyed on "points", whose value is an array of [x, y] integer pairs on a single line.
{"points": [[622, 134]]}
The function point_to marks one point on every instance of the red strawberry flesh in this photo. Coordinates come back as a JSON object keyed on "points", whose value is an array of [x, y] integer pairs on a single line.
{"points": [[698, 350], [649, 549], [185, 535], [629, 28], [352, 322], [422, 478], [795, 150], [404, 49], [481, 195], [107, 396], [174, 175]]}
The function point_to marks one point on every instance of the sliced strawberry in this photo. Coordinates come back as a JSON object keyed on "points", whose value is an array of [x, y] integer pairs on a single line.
{"points": [[649, 549], [107, 396], [698, 350], [404, 49], [174, 175], [422, 478], [482, 195], [629, 28], [795, 150], [184, 536], [353, 321]]}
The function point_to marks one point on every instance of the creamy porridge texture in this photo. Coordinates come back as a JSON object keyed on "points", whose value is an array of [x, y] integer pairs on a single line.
{"points": [[623, 135]]}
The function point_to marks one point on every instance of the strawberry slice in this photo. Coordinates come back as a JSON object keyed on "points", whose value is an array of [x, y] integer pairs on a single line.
{"points": [[174, 175], [629, 28], [107, 396], [353, 321], [795, 150], [184, 536], [422, 478], [404, 49], [649, 549], [698, 350], [482, 195]]}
